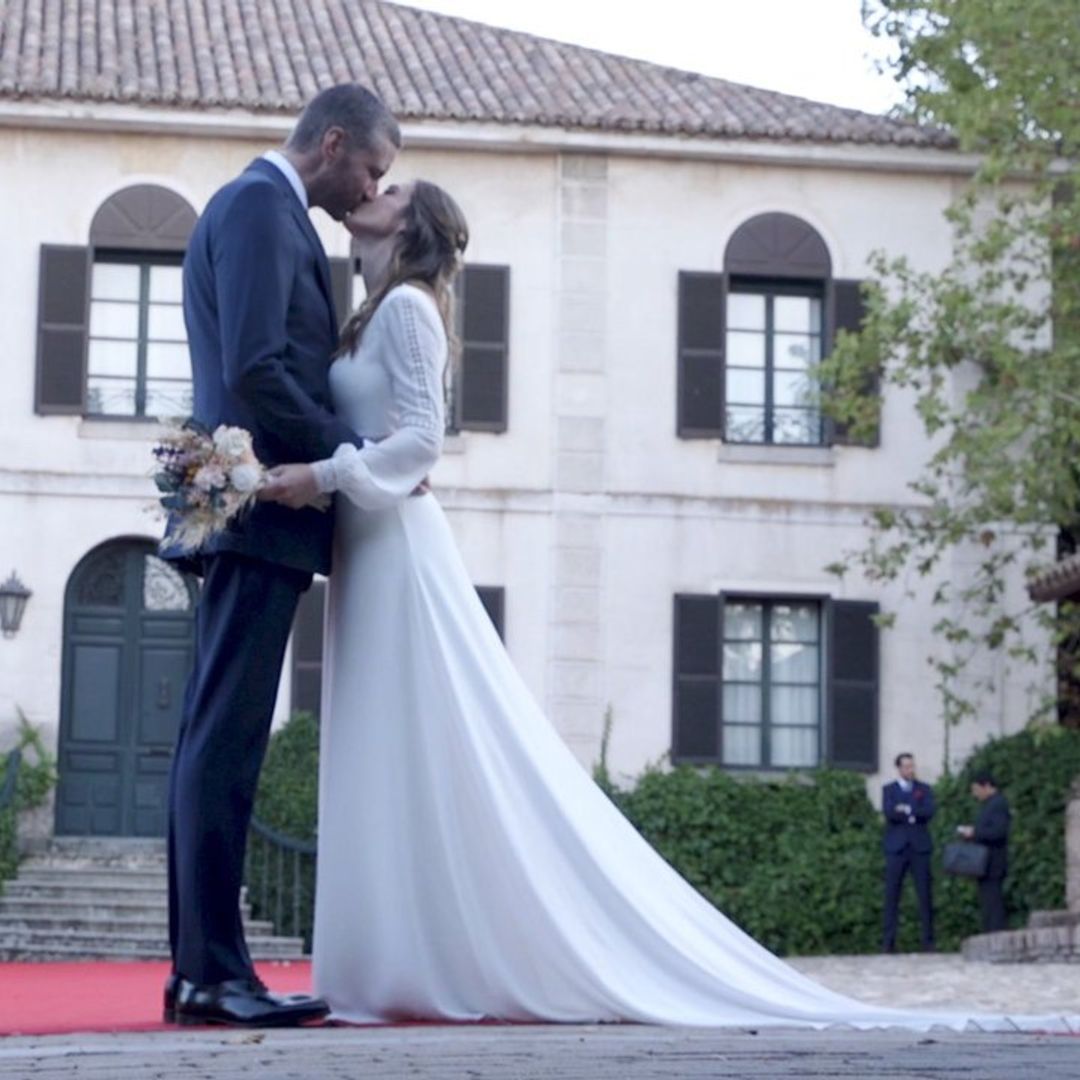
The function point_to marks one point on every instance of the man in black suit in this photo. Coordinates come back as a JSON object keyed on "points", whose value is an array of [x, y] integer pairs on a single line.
{"points": [[261, 330], [992, 829], [908, 804]]}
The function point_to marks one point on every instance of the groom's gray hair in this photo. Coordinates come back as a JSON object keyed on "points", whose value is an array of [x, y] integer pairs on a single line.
{"points": [[353, 108]]}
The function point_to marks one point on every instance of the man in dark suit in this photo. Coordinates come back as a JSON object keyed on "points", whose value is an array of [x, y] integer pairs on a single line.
{"points": [[992, 829], [261, 329], [908, 804]]}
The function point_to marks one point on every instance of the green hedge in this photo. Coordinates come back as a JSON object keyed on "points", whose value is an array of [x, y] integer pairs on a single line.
{"points": [[795, 860], [36, 778]]}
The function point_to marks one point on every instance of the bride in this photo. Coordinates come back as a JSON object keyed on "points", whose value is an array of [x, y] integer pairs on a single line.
{"points": [[468, 865]]}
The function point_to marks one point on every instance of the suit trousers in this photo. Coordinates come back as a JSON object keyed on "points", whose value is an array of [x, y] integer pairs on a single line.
{"points": [[897, 866], [242, 624], [992, 904]]}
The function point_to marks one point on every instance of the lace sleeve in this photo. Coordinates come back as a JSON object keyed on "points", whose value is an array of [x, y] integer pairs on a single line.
{"points": [[380, 474]]}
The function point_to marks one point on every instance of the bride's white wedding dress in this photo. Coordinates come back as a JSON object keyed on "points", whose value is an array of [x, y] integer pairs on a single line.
{"points": [[468, 865]]}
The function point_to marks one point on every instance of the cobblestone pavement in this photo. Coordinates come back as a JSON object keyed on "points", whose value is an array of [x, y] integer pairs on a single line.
{"points": [[946, 979], [547, 1053], [559, 1052]]}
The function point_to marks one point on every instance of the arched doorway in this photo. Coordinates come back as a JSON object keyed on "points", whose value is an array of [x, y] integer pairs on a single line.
{"points": [[128, 639]]}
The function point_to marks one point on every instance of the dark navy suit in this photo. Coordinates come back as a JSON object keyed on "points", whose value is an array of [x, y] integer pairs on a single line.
{"points": [[992, 829], [907, 847], [261, 330]]}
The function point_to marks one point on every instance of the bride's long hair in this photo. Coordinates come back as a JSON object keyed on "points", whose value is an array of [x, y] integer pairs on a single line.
{"points": [[429, 249]]}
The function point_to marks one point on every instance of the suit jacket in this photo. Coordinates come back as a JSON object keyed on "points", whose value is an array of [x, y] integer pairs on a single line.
{"points": [[905, 831], [261, 328], [992, 829]]}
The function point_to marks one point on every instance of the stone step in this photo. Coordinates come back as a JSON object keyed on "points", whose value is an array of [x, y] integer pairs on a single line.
{"points": [[1041, 919], [1046, 944], [15, 907], [105, 925], [91, 944], [41, 954], [117, 878], [18, 889]]}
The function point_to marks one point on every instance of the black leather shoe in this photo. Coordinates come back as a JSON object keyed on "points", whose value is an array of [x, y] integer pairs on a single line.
{"points": [[168, 1011], [243, 1003]]}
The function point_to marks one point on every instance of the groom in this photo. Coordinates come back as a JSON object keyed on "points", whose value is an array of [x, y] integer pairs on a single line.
{"points": [[261, 329]]}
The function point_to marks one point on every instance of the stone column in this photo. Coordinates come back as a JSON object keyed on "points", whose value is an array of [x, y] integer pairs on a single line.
{"points": [[1072, 849]]}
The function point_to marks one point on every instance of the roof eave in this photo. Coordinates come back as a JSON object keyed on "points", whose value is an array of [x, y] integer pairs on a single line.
{"points": [[476, 135]]}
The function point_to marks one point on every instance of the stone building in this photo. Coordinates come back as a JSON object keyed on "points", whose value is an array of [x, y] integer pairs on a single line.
{"points": [[639, 487]]}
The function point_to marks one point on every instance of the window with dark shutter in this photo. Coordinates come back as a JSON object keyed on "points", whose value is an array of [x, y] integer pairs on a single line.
{"points": [[480, 385], [696, 711], [307, 650], [493, 597], [848, 312], [852, 687], [63, 298], [700, 355]]}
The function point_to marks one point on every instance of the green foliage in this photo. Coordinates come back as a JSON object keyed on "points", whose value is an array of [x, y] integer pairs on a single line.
{"points": [[36, 778], [797, 860], [988, 346]]}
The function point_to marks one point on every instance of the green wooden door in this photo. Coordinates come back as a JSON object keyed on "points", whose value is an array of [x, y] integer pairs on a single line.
{"points": [[128, 636]]}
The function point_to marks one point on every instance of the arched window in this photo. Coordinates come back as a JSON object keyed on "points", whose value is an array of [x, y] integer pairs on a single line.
{"points": [[111, 337], [749, 337]]}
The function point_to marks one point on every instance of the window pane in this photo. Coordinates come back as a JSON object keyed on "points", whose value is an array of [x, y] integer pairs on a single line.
{"points": [[166, 398], [745, 311], [795, 350], [794, 662], [794, 622], [114, 281], [742, 745], [166, 323], [794, 747], [114, 320], [742, 661], [745, 350], [744, 424], [745, 387], [165, 283], [801, 314], [742, 704], [797, 705], [801, 426], [742, 622], [113, 358], [110, 397], [792, 388], [164, 361]]}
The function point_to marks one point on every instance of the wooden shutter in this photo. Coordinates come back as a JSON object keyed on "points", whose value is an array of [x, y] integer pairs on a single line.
{"points": [[852, 686], [493, 597], [341, 285], [848, 313], [696, 702], [481, 390], [702, 299], [63, 306], [307, 650]]}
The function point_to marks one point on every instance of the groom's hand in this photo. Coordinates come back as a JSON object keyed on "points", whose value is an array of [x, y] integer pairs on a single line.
{"points": [[293, 486]]}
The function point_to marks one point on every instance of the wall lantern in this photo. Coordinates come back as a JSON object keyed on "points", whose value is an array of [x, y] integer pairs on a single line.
{"points": [[13, 597]]}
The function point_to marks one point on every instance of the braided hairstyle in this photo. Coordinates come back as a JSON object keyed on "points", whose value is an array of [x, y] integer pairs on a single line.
{"points": [[429, 250]]}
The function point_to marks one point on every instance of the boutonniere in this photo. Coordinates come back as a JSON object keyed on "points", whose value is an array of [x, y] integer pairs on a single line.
{"points": [[918, 793]]}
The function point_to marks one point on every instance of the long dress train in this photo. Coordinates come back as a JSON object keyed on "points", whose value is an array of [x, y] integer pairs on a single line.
{"points": [[469, 867]]}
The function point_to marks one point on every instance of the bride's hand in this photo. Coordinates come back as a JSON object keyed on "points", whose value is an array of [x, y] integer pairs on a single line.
{"points": [[293, 486]]}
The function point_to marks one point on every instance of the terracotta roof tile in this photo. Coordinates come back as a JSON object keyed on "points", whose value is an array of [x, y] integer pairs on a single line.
{"points": [[273, 56]]}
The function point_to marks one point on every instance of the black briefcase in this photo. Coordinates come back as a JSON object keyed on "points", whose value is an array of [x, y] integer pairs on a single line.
{"points": [[965, 858]]}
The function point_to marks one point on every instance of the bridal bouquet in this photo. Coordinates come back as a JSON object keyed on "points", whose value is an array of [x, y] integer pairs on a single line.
{"points": [[205, 478]]}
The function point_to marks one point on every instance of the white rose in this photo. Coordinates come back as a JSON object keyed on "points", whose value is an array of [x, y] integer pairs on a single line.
{"points": [[233, 442], [245, 478], [209, 477]]}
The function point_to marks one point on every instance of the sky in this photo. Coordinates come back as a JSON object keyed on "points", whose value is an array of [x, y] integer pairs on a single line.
{"points": [[816, 49]]}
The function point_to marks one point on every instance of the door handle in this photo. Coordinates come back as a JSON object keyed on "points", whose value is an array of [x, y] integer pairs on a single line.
{"points": [[164, 696]]}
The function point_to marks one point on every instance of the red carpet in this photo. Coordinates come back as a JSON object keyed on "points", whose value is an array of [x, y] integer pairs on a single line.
{"points": [[54, 999]]}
